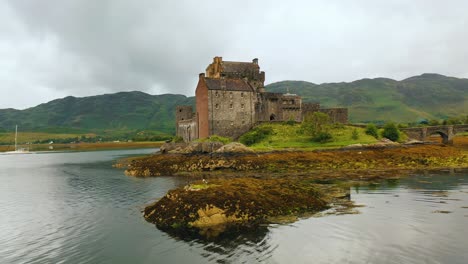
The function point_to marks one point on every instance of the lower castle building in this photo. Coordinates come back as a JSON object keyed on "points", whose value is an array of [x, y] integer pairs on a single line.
{"points": [[231, 99]]}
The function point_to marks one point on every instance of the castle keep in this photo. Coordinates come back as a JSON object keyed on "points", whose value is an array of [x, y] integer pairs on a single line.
{"points": [[231, 99]]}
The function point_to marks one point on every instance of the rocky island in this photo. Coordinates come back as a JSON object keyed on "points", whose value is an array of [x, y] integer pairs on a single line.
{"points": [[295, 159]]}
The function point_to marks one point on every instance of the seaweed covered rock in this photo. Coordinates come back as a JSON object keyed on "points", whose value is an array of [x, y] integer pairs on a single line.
{"points": [[291, 162], [225, 206]]}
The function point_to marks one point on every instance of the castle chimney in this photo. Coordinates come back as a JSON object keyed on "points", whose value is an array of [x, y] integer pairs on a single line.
{"points": [[201, 75], [255, 61]]}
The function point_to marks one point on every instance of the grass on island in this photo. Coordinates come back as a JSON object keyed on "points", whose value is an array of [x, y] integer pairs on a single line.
{"points": [[289, 136]]}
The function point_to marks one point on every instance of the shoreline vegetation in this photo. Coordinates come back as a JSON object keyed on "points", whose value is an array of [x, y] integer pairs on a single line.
{"points": [[248, 189]]}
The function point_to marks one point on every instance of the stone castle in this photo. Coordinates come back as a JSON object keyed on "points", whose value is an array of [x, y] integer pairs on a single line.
{"points": [[231, 99]]}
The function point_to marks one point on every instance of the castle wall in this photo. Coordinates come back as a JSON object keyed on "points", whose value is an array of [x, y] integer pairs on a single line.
{"points": [[201, 95], [337, 115], [291, 106], [183, 112], [310, 108], [231, 112], [188, 129]]}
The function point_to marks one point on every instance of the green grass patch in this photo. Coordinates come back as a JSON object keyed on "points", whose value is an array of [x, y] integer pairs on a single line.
{"points": [[286, 136]]}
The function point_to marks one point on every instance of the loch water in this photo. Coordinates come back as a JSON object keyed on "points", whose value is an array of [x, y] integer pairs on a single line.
{"points": [[76, 208]]}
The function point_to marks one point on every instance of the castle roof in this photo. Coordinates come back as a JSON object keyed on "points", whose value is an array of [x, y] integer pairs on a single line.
{"points": [[228, 84], [240, 67]]}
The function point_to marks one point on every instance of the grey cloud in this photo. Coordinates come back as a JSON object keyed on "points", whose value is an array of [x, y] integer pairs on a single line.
{"points": [[91, 47]]}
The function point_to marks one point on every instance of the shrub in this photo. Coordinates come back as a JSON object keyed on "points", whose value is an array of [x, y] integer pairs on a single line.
{"points": [[256, 135], [391, 132], [290, 122], [216, 138], [323, 137], [372, 130], [355, 134], [177, 139]]}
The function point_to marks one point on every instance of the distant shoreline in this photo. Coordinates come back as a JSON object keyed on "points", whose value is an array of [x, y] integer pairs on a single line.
{"points": [[87, 146]]}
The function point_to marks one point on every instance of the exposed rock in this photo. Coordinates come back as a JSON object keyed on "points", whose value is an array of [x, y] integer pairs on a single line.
{"points": [[196, 147], [166, 147], [413, 142], [354, 146], [234, 147], [383, 143]]}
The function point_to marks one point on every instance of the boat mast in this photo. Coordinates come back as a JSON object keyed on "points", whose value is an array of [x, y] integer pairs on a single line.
{"points": [[16, 137]]}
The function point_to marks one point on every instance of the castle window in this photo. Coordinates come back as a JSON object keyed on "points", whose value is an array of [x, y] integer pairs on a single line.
{"points": [[217, 94], [230, 95], [180, 110], [242, 94], [232, 123], [217, 106], [243, 122], [231, 106], [242, 106]]}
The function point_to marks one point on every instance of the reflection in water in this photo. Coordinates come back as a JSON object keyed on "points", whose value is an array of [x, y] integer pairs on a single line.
{"points": [[76, 208]]}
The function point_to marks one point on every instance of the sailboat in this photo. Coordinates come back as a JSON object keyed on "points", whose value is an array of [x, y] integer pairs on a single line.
{"points": [[18, 150]]}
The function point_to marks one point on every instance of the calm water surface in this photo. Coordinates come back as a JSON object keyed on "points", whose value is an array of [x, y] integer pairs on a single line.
{"points": [[76, 208]]}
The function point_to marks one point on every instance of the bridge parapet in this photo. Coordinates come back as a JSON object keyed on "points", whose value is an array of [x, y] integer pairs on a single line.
{"points": [[460, 129], [447, 132]]}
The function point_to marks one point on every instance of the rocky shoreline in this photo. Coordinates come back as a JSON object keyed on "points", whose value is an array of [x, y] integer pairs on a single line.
{"points": [[300, 162], [242, 190]]}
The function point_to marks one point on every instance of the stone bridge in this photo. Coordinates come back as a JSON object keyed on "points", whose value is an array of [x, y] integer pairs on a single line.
{"points": [[446, 132]]}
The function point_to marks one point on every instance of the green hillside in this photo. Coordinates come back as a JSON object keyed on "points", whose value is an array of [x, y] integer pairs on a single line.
{"points": [[120, 111], [428, 96]]}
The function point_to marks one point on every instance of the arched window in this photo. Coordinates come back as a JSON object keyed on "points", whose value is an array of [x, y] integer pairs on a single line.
{"points": [[272, 117]]}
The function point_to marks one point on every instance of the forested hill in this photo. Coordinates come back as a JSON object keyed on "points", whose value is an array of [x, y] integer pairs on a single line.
{"points": [[119, 111], [428, 96]]}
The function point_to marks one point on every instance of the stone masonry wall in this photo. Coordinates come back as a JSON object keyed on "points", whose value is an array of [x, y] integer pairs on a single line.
{"points": [[183, 112], [231, 112], [337, 115], [187, 129]]}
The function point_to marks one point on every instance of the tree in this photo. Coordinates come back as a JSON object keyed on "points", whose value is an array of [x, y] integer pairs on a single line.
{"points": [[315, 123], [453, 121], [372, 130], [391, 132], [434, 122]]}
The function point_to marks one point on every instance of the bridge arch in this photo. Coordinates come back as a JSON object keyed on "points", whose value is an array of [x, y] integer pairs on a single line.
{"points": [[442, 134]]}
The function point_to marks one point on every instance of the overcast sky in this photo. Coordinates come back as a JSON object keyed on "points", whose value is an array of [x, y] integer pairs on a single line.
{"points": [[54, 48]]}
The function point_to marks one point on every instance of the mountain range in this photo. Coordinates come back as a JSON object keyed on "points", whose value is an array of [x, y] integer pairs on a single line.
{"points": [[427, 96]]}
